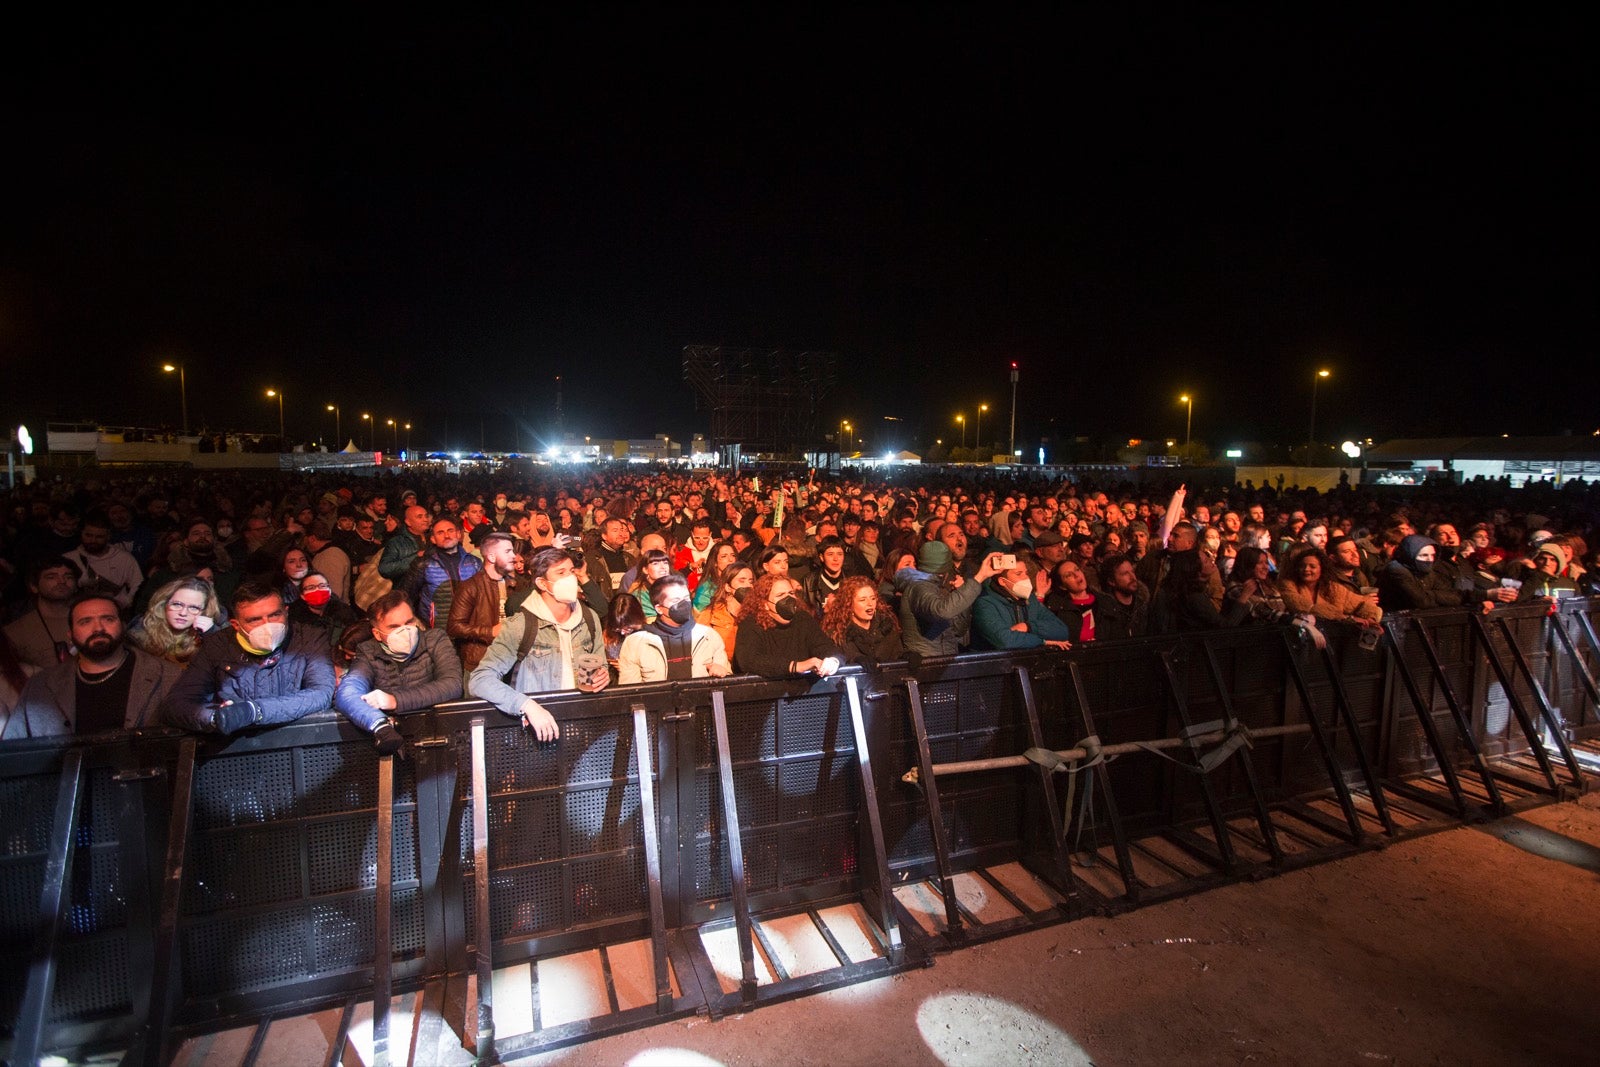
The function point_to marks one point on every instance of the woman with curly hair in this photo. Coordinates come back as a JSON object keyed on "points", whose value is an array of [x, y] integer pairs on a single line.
{"points": [[179, 615], [778, 637], [854, 622]]}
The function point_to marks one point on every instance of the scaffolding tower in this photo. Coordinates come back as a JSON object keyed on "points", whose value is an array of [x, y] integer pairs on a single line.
{"points": [[761, 400]]}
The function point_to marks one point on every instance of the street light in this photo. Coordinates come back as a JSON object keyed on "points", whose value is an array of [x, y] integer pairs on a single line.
{"points": [[977, 428], [337, 430], [962, 419], [408, 439], [183, 392], [1311, 436], [851, 430], [1188, 422], [372, 432], [283, 439], [396, 427]]}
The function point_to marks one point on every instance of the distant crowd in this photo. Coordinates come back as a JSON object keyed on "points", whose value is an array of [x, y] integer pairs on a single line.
{"points": [[224, 603]]}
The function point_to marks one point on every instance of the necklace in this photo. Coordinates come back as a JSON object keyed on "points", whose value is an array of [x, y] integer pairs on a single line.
{"points": [[104, 676]]}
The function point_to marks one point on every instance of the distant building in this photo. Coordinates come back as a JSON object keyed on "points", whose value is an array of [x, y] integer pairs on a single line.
{"points": [[1410, 461]]}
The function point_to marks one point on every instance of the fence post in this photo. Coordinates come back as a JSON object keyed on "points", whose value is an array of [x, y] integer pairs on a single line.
{"points": [[34, 1018]]}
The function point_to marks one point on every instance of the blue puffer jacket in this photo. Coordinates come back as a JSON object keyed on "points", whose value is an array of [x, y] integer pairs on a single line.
{"points": [[438, 590], [286, 685]]}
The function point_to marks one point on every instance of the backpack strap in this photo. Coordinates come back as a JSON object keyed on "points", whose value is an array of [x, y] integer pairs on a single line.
{"points": [[530, 634]]}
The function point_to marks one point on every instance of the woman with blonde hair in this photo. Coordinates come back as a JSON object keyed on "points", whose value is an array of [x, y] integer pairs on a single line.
{"points": [[180, 614]]}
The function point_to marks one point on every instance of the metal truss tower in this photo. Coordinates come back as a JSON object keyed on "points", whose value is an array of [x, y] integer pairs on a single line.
{"points": [[761, 400]]}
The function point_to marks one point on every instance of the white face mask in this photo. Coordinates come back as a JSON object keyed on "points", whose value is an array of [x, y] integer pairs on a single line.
{"points": [[1022, 589], [565, 588], [402, 639], [298, 573], [268, 636]]}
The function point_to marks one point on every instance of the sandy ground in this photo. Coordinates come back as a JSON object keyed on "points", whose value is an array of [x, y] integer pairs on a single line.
{"points": [[1477, 945]]}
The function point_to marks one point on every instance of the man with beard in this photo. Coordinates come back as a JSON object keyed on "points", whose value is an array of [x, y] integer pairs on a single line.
{"points": [[102, 562], [254, 672], [42, 636], [1123, 606], [197, 556], [106, 686]]}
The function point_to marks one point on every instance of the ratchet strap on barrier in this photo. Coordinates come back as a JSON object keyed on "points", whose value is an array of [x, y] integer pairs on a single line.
{"points": [[1237, 737], [1047, 759]]}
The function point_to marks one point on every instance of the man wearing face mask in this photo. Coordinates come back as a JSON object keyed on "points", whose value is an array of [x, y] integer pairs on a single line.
{"points": [[1008, 614], [403, 668], [553, 643], [254, 672], [673, 647], [107, 686]]}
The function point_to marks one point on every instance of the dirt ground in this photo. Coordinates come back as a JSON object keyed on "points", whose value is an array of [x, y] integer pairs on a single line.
{"points": [[1473, 946]]}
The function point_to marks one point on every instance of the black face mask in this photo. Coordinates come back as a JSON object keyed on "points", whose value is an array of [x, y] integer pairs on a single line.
{"points": [[1422, 566], [787, 608], [681, 613], [740, 594]]}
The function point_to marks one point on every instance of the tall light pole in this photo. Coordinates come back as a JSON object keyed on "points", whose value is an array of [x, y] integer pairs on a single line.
{"points": [[183, 391], [372, 431], [962, 419], [851, 430], [1013, 409], [977, 428], [1311, 435], [396, 428], [283, 440], [338, 431], [1188, 422], [408, 440]]}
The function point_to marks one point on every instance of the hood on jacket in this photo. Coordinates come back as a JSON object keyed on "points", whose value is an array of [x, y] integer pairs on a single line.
{"points": [[1405, 553]]}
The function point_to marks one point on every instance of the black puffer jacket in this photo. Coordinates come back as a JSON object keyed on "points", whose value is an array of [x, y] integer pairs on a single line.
{"points": [[286, 685]]}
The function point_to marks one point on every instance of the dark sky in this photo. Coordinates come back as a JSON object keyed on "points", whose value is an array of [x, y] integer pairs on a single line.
{"points": [[432, 221]]}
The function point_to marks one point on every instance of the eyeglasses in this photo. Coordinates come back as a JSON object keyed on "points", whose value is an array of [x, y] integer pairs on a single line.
{"points": [[186, 609]]}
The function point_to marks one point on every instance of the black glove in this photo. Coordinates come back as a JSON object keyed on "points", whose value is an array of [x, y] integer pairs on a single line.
{"points": [[387, 740], [233, 717]]}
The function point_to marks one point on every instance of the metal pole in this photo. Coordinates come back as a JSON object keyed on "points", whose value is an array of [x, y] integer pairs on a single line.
{"points": [[1311, 432], [1013, 411], [1122, 749], [1188, 424], [283, 439], [183, 398]]}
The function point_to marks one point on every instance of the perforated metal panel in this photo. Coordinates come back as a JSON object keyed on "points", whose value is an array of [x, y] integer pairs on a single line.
{"points": [[566, 842], [796, 784]]}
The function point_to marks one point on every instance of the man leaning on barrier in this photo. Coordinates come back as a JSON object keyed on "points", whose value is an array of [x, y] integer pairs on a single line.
{"points": [[107, 686], [258, 671], [402, 668], [553, 643]]}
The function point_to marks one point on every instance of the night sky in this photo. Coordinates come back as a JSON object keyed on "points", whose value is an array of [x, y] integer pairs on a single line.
{"points": [[432, 221]]}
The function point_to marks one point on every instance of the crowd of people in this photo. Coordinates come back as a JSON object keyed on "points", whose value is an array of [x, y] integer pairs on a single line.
{"points": [[219, 604]]}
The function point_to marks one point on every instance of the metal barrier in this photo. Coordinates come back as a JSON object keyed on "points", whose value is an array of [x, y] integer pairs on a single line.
{"points": [[157, 886]]}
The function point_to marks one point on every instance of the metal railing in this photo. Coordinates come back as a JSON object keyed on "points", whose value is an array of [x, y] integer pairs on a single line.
{"points": [[158, 885]]}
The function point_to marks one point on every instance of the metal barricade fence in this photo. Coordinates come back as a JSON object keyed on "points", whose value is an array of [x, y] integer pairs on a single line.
{"points": [[199, 884]]}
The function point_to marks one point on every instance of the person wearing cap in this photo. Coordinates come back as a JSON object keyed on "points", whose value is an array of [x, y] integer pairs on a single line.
{"points": [[1049, 549], [1548, 578], [936, 603]]}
